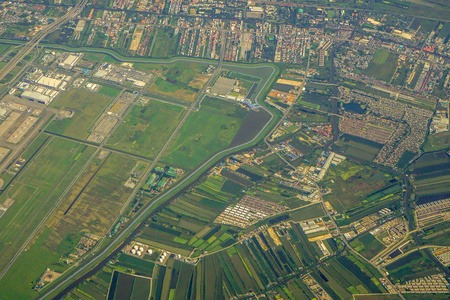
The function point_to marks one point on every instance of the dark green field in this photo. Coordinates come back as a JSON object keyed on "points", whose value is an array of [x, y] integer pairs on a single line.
{"points": [[412, 266]]}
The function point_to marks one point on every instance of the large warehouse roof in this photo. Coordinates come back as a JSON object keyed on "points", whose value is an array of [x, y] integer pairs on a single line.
{"points": [[36, 97]]}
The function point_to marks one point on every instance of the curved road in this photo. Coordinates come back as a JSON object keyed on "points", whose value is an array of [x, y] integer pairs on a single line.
{"points": [[113, 243]]}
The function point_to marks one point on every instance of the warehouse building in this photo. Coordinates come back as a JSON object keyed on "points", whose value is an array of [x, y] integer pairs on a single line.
{"points": [[70, 61], [35, 96]]}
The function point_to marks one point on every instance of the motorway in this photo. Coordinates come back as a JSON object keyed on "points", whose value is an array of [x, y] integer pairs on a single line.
{"points": [[29, 46]]}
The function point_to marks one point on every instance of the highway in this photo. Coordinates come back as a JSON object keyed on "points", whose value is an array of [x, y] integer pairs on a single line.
{"points": [[29, 46]]}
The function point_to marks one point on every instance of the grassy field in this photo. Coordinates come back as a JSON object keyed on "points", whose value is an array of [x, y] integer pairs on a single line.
{"points": [[223, 107], [166, 43], [202, 135], [94, 202], [425, 8], [437, 142], [86, 106], [34, 192], [109, 91], [383, 65], [181, 81], [146, 129], [351, 183]]}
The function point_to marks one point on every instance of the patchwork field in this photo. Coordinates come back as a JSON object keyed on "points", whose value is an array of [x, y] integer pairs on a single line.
{"points": [[126, 287], [367, 245], [146, 129], [356, 185], [86, 106]]}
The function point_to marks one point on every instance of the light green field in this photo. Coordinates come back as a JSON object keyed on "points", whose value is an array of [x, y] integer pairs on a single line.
{"points": [[86, 106], [380, 56], [202, 135], [34, 192], [146, 129], [109, 91]]}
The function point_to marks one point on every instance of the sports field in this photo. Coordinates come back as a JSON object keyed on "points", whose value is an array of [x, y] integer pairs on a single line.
{"points": [[146, 129], [86, 106], [202, 135]]}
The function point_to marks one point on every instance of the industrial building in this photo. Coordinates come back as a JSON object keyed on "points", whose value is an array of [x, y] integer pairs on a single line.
{"points": [[35, 96], [70, 61]]}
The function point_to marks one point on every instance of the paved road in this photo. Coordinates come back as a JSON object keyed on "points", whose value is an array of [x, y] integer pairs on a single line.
{"points": [[347, 243], [96, 258], [28, 47], [283, 118]]}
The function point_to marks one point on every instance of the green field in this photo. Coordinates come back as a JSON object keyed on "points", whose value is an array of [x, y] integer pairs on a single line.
{"points": [[94, 211], [439, 141], [34, 192], [383, 65], [367, 245], [166, 43], [180, 81], [426, 8], [86, 106], [223, 107], [414, 265], [109, 91], [203, 135], [95, 200], [359, 147], [355, 185], [146, 129]]}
